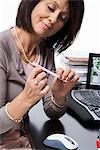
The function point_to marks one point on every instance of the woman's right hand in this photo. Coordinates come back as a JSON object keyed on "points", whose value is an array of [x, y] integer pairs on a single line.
{"points": [[36, 86]]}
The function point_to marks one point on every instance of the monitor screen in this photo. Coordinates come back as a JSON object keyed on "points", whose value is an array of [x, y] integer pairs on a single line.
{"points": [[93, 74]]}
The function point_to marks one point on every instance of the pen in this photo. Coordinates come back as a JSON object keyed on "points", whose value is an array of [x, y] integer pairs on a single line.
{"points": [[48, 71]]}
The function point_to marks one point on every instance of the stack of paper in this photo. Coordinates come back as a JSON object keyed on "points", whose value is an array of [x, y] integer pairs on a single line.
{"points": [[75, 59], [77, 53], [79, 64], [80, 68]]}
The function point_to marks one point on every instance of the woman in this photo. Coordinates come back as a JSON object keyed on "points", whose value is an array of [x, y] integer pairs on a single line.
{"points": [[42, 27]]}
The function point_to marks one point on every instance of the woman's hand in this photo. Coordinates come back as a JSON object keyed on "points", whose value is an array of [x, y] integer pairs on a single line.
{"points": [[61, 89], [36, 86]]}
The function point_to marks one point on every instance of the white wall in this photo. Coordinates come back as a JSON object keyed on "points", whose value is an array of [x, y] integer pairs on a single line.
{"points": [[88, 38], [89, 35], [8, 10]]}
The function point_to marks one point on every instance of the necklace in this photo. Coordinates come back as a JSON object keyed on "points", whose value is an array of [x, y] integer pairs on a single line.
{"points": [[34, 64], [20, 46]]}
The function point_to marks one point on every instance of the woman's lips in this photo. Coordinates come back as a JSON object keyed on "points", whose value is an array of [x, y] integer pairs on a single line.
{"points": [[45, 26]]}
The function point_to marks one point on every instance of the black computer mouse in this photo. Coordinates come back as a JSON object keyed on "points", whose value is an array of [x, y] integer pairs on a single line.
{"points": [[61, 141]]}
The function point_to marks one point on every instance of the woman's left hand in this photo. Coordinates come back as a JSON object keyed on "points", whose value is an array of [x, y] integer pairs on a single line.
{"points": [[61, 89]]}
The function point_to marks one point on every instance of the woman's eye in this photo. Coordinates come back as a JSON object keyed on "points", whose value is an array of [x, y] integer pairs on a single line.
{"points": [[51, 8], [63, 18]]}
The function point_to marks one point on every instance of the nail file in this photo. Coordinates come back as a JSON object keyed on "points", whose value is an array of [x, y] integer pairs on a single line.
{"points": [[48, 71]]}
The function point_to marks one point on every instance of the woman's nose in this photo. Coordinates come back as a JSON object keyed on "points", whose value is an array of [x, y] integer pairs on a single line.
{"points": [[53, 18]]}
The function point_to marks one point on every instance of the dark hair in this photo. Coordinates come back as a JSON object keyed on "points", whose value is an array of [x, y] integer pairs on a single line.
{"points": [[63, 38]]}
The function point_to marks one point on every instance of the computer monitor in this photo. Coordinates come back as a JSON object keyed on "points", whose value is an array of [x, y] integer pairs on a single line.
{"points": [[93, 73]]}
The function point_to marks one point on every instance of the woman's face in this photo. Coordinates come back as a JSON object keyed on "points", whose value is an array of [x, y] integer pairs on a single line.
{"points": [[49, 16]]}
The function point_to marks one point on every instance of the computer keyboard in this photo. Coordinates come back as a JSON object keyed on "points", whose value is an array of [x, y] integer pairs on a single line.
{"points": [[87, 99], [99, 92], [90, 98]]}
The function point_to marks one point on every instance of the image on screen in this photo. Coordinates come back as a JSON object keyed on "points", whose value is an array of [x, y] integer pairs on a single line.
{"points": [[95, 71]]}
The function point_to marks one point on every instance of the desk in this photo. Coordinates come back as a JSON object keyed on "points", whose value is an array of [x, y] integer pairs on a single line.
{"points": [[41, 126]]}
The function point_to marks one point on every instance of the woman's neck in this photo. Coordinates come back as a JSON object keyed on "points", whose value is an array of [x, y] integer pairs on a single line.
{"points": [[28, 41]]}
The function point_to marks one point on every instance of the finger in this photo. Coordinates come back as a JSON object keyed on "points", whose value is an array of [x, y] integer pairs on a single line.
{"points": [[35, 81], [41, 76], [71, 74], [59, 71], [42, 83], [76, 78], [35, 72], [66, 73], [45, 90]]}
